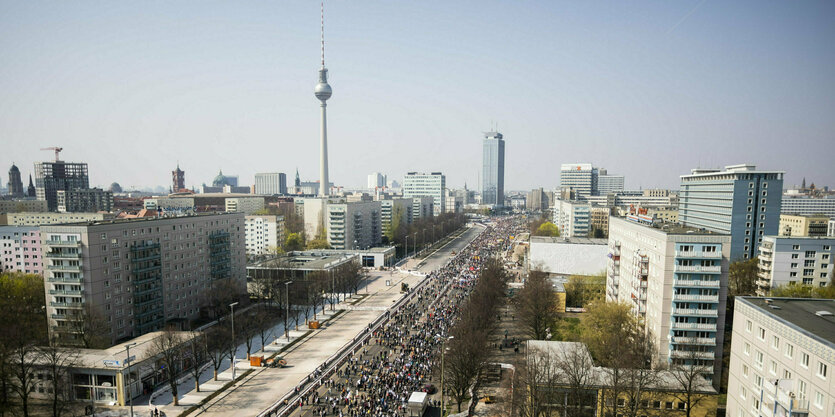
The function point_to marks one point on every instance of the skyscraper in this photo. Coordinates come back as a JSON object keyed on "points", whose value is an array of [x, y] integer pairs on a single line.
{"points": [[607, 184], [51, 177], [582, 178], [376, 180], [15, 185], [323, 92], [178, 178], [418, 184], [740, 201], [492, 190]]}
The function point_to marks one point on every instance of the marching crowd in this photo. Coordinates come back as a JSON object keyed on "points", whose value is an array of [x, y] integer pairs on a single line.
{"points": [[399, 357]]}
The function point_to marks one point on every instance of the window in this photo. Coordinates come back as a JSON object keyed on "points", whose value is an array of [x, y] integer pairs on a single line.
{"points": [[789, 350], [810, 254], [762, 333], [819, 400], [748, 326], [759, 360], [795, 247], [794, 265], [743, 393], [747, 348], [745, 370], [773, 368], [822, 368], [775, 342], [804, 359], [795, 255], [787, 374], [758, 381]]}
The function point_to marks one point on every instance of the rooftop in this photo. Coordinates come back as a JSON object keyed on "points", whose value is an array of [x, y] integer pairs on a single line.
{"points": [[672, 228], [135, 220], [800, 313], [569, 240], [307, 260]]}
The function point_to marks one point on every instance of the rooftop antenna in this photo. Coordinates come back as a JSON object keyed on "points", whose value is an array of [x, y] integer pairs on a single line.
{"points": [[323, 33]]}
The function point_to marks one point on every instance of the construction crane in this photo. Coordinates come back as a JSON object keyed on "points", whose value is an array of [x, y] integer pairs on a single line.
{"points": [[57, 151]]}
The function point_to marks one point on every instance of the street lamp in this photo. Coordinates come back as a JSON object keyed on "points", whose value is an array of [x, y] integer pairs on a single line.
{"points": [[287, 316], [129, 360], [443, 351], [424, 239], [333, 287], [234, 344], [406, 253]]}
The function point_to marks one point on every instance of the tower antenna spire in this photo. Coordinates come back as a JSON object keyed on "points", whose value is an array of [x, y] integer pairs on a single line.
{"points": [[323, 33]]}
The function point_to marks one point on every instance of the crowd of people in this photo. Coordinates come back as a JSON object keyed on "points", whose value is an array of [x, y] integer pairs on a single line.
{"points": [[400, 355]]}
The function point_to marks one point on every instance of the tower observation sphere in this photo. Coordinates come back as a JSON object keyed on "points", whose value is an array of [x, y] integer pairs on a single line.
{"points": [[323, 90]]}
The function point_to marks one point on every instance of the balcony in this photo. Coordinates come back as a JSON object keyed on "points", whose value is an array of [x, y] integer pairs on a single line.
{"points": [[695, 355], [696, 283], [696, 297], [698, 268], [78, 280], [66, 292], [65, 304], [59, 316], [695, 326], [695, 312], [698, 254], [58, 255], [66, 243], [75, 268], [707, 341]]}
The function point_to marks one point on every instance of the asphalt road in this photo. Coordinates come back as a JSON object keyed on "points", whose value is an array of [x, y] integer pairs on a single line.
{"points": [[437, 259]]}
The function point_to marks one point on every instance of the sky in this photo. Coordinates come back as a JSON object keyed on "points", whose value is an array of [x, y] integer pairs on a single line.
{"points": [[646, 89]]}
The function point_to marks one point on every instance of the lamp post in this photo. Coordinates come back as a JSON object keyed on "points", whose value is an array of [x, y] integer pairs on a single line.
{"points": [[129, 360], [415, 243], [443, 351], [424, 240], [333, 288], [406, 252], [287, 316], [234, 343]]}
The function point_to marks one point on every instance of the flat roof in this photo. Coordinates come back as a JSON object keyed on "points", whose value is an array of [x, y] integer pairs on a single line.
{"points": [[576, 240], [672, 228], [800, 313], [210, 195], [136, 219], [311, 260]]}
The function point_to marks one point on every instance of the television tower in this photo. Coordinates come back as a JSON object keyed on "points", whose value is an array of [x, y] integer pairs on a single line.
{"points": [[323, 93]]}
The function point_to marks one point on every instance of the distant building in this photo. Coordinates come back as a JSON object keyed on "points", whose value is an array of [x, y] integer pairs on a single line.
{"points": [[246, 205], [537, 200], [831, 228], [178, 180], [20, 249], [740, 201], [89, 200], [782, 358], [31, 191], [45, 218], [492, 180], [15, 206], [455, 204], [417, 184], [634, 198], [221, 180], [803, 225], [600, 219], [581, 178], [676, 280], [15, 184], [354, 225], [573, 218], [794, 260], [140, 274], [376, 180], [390, 208], [422, 206], [607, 184], [51, 177], [568, 256], [824, 205], [115, 188], [270, 183], [664, 214], [263, 233]]}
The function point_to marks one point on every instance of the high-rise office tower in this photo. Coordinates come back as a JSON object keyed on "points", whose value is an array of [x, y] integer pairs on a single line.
{"points": [[581, 178], [607, 184], [15, 185], [323, 92], [418, 184], [178, 179], [270, 183], [51, 177], [492, 190], [739, 201]]}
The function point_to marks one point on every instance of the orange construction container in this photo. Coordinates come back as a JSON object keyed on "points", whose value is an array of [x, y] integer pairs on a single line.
{"points": [[313, 324], [256, 360]]}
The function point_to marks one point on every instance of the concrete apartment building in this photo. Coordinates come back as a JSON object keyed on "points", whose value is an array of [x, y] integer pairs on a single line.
{"points": [[89, 200], [270, 183], [782, 358], [573, 218], [354, 225], [20, 249], [22, 206], [803, 225], [376, 180], [422, 206], [824, 205], [643, 198], [740, 201], [140, 274], [262, 233], [392, 207], [830, 229], [420, 184], [676, 279], [794, 260], [246, 205], [43, 218]]}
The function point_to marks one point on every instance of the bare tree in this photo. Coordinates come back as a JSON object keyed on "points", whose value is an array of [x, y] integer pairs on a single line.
{"points": [[691, 380], [576, 372], [168, 346], [216, 344], [89, 327], [56, 363], [264, 322], [196, 355], [536, 305], [248, 330]]}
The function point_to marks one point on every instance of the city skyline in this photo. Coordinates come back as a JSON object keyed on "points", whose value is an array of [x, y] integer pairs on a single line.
{"points": [[685, 80]]}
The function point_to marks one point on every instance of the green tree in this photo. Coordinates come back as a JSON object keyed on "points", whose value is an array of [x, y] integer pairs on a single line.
{"points": [[318, 243], [581, 290], [293, 242], [605, 329], [742, 277], [547, 229], [804, 291], [536, 304]]}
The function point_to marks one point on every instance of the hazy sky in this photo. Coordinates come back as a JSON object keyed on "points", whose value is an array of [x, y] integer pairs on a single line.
{"points": [[647, 89]]}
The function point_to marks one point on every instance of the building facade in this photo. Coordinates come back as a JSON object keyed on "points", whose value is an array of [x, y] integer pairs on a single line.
{"points": [[582, 178], [246, 205], [22, 206], [15, 184], [392, 208], [270, 183], [808, 205], [354, 225], [599, 219], [376, 180], [573, 218], [178, 180], [44, 218], [782, 358], [88, 200], [139, 274], [492, 178], [803, 225], [794, 260], [20, 249], [263, 233], [740, 201], [51, 177], [607, 184], [676, 279], [419, 184]]}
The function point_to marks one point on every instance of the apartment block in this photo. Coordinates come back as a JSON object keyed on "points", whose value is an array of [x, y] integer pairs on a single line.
{"points": [[419, 184], [20, 249], [794, 260], [676, 279], [803, 224], [740, 201], [262, 233], [246, 205], [824, 205], [88, 200], [139, 274], [573, 218], [43, 218], [401, 207], [354, 225], [21, 206], [782, 358]]}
